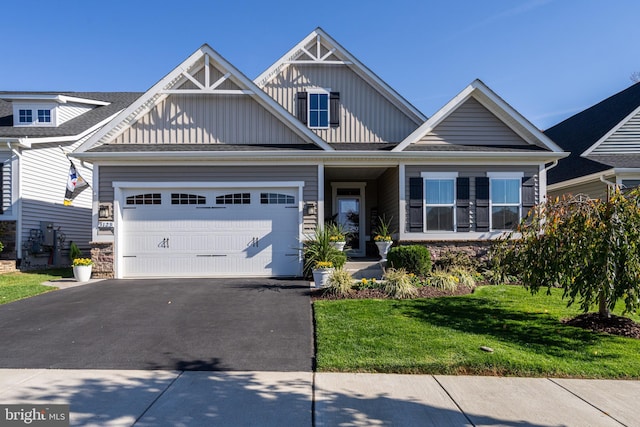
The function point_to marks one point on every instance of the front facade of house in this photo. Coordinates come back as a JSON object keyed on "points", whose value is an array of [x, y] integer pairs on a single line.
{"points": [[212, 174], [604, 141]]}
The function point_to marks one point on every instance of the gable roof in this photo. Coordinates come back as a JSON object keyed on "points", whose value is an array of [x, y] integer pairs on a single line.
{"points": [[496, 105], [71, 129], [585, 130], [328, 51], [235, 81]]}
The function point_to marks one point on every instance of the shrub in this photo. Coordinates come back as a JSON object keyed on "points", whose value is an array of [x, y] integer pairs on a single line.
{"points": [[414, 259], [340, 283], [74, 251], [465, 277], [318, 248], [443, 279], [451, 259], [367, 284], [398, 284]]}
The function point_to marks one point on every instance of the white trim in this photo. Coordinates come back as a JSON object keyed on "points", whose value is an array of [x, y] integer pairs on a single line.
{"points": [[154, 95], [580, 180], [493, 103], [505, 175], [402, 213], [611, 132], [60, 99], [320, 36], [453, 236], [320, 198], [335, 186], [318, 91], [449, 176]]}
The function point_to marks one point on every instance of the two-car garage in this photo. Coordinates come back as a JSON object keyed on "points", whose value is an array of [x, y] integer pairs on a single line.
{"points": [[207, 230]]}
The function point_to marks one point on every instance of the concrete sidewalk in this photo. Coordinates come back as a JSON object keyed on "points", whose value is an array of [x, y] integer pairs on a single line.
{"points": [[175, 398]]}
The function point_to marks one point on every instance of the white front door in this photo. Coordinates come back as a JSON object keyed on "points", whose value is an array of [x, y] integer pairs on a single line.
{"points": [[226, 232]]}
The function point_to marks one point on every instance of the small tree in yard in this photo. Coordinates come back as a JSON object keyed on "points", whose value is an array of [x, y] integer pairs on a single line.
{"points": [[589, 247]]}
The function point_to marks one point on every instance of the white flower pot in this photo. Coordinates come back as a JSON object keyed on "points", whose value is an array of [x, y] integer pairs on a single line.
{"points": [[338, 245], [383, 248], [321, 276], [82, 273]]}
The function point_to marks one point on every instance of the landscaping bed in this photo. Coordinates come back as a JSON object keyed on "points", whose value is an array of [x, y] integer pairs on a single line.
{"points": [[423, 292]]}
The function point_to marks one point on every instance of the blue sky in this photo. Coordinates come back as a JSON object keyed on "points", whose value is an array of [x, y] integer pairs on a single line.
{"points": [[547, 58]]}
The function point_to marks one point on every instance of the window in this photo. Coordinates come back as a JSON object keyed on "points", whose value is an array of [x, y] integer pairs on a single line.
{"points": [[145, 199], [318, 110], [25, 116], [44, 116], [187, 199], [234, 199], [440, 200], [505, 201], [276, 199]]}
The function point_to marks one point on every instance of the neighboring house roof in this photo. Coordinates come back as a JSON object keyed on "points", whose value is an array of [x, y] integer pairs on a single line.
{"points": [[336, 54], [182, 81], [489, 100], [583, 132], [71, 128]]}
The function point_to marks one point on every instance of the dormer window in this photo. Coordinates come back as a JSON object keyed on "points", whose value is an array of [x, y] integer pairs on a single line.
{"points": [[25, 116], [44, 116]]}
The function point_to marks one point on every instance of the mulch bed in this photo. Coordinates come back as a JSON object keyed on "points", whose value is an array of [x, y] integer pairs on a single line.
{"points": [[423, 292], [615, 325]]}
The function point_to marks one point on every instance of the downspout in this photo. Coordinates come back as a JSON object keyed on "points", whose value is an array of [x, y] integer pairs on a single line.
{"points": [[18, 187], [609, 185]]}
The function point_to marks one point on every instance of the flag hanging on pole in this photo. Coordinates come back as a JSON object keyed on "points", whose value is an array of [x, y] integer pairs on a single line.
{"points": [[75, 185]]}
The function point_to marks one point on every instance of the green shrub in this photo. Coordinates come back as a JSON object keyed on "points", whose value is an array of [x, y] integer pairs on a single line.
{"points": [[451, 259], [466, 277], [414, 259], [318, 248], [74, 251], [398, 284], [443, 279], [340, 283], [367, 284]]}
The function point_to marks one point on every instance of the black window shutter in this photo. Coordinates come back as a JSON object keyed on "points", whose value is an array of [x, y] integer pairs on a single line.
{"points": [[416, 201], [528, 194], [462, 204], [301, 107], [482, 203], [334, 109]]}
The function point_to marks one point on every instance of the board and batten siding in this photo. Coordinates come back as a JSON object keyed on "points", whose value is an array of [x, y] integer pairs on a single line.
{"points": [[470, 172], [472, 124], [365, 115], [213, 174], [45, 170], [208, 119], [624, 140]]}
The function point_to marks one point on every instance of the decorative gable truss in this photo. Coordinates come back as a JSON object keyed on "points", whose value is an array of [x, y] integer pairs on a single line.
{"points": [[204, 73]]}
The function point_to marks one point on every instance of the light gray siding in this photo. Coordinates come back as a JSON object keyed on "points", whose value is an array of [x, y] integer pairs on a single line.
{"points": [[70, 111], [595, 189], [208, 119], [472, 124], [217, 174], [625, 140], [471, 172], [365, 115]]}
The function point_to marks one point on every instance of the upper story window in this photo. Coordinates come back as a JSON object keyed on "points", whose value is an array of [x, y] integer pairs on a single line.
{"points": [[505, 195], [440, 201], [318, 110], [44, 116], [25, 116]]}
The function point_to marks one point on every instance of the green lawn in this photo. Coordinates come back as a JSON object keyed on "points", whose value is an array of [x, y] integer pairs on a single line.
{"points": [[15, 286], [444, 336]]}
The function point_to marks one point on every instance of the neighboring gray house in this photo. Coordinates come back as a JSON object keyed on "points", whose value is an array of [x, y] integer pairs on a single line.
{"points": [[604, 141], [36, 129], [209, 173]]}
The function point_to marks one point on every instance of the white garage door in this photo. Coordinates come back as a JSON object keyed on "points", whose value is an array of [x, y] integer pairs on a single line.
{"points": [[210, 232]]}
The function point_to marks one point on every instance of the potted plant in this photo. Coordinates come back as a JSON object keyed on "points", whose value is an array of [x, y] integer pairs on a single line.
{"points": [[382, 236], [320, 257], [337, 235], [82, 269]]}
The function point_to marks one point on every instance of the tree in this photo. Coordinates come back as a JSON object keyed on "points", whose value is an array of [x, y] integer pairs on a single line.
{"points": [[589, 247]]}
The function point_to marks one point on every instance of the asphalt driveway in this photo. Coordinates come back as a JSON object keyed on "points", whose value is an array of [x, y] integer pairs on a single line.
{"points": [[182, 324]]}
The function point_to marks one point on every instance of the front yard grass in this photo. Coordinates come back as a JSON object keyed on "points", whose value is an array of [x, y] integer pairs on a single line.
{"points": [[15, 286], [444, 336]]}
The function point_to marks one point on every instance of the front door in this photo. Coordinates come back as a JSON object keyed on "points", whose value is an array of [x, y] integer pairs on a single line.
{"points": [[349, 211]]}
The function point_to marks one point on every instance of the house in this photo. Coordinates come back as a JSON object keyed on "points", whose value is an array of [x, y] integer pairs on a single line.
{"points": [[604, 141], [37, 130], [209, 173]]}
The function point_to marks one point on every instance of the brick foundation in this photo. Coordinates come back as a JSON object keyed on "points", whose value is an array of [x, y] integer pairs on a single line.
{"points": [[7, 266], [102, 257]]}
